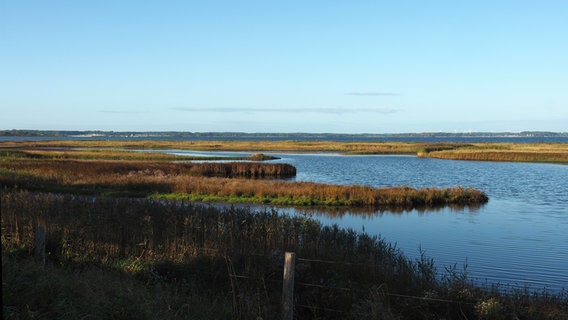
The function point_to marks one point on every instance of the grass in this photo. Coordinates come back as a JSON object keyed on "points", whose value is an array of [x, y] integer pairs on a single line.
{"points": [[523, 152], [127, 258], [119, 258], [287, 145], [534, 152], [31, 291], [312, 194], [44, 166], [114, 154]]}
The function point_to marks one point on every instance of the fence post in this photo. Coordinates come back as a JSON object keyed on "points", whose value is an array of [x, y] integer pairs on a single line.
{"points": [[288, 286], [39, 243]]}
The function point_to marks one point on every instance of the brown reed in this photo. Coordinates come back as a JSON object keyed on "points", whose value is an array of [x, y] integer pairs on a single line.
{"points": [[181, 249], [527, 152]]}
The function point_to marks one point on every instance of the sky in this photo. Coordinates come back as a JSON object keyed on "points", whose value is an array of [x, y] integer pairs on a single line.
{"points": [[284, 66]]}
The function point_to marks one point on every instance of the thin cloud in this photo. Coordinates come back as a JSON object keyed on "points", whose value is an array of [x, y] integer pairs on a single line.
{"points": [[373, 94], [121, 112], [290, 110]]}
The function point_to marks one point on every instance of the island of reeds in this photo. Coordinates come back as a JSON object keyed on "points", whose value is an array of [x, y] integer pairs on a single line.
{"points": [[90, 172]]}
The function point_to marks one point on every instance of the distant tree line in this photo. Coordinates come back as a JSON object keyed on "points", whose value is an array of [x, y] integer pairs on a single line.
{"points": [[269, 136]]}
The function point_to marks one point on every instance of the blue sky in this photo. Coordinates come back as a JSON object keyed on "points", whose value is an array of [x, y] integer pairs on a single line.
{"points": [[284, 66]]}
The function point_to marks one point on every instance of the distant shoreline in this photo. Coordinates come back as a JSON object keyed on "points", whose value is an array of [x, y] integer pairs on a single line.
{"points": [[525, 136]]}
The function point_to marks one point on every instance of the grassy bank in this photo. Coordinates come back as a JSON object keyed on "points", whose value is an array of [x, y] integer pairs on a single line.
{"points": [[285, 146], [541, 152], [71, 153], [317, 194], [117, 258]]}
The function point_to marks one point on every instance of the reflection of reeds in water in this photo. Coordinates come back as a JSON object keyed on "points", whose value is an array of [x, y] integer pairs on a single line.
{"points": [[339, 212]]}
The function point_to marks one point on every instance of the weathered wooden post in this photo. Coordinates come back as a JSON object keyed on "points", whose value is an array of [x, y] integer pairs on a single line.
{"points": [[288, 286], [39, 242]]}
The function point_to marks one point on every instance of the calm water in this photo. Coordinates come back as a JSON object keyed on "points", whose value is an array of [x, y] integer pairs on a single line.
{"points": [[519, 238]]}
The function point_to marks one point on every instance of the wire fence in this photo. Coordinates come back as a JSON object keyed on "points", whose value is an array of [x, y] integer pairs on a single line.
{"points": [[298, 302], [363, 289]]}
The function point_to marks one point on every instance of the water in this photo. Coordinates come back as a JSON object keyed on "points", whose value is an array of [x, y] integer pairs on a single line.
{"points": [[519, 238]]}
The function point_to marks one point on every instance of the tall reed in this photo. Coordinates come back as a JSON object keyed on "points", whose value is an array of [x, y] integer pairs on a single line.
{"points": [[195, 248]]}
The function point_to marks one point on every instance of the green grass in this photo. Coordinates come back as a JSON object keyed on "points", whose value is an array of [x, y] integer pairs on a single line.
{"points": [[30, 291], [394, 198]]}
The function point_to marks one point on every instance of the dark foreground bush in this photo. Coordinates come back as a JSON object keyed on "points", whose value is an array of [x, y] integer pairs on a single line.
{"points": [[177, 260]]}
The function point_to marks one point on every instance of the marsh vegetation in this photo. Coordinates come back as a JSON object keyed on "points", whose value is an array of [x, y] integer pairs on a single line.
{"points": [[176, 260], [214, 182], [519, 152]]}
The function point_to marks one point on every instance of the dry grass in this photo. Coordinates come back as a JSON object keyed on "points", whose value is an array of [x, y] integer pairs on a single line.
{"points": [[111, 154], [48, 167], [533, 152], [526, 152], [181, 260], [286, 145]]}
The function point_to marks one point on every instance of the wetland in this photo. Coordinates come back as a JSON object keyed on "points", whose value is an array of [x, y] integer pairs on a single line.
{"points": [[509, 238]]}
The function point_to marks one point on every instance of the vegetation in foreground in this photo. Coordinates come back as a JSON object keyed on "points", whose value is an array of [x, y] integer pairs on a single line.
{"points": [[117, 258]]}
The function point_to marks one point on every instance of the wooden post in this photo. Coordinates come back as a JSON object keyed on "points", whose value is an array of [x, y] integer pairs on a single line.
{"points": [[39, 243], [288, 286]]}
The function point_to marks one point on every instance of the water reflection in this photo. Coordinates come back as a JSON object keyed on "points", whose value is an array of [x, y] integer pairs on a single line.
{"points": [[335, 212]]}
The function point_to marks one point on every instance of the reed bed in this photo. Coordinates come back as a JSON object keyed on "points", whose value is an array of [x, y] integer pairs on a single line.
{"points": [[316, 194], [216, 182], [284, 145], [69, 171], [552, 157], [535, 152], [182, 260], [524, 152], [114, 154]]}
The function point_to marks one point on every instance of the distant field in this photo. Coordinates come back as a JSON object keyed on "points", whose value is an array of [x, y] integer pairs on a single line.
{"points": [[519, 152]]}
